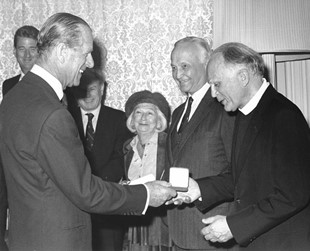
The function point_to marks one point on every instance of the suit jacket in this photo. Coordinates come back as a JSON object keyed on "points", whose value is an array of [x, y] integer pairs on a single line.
{"points": [[269, 180], [3, 208], [205, 148], [106, 158], [8, 84], [49, 181]]}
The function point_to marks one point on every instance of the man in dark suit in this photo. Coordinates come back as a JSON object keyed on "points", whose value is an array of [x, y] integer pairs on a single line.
{"points": [[269, 180], [49, 182], [26, 53], [203, 145], [106, 156]]}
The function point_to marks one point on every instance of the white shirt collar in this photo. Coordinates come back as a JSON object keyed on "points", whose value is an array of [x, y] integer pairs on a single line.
{"points": [[250, 106], [49, 78], [94, 112], [95, 118], [198, 95], [21, 76], [153, 140]]}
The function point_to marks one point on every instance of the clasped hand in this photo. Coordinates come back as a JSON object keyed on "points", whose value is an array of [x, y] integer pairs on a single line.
{"points": [[217, 229]]}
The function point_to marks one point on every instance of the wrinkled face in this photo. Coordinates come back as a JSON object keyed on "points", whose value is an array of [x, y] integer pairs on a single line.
{"points": [[225, 84], [145, 118], [79, 58], [188, 67], [26, 53], [93, 96]]}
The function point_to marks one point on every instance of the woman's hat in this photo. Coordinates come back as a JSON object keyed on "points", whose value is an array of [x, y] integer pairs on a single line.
{"points": [[145, 96]]}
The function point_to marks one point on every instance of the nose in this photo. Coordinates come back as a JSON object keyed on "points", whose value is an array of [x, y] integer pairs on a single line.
{"points": [[143, 117], [89, 61], [178, 73], [214, 92], [27, 53]]}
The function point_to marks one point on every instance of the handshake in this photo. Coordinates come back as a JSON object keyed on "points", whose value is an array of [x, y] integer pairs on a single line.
{"points": [[163, 192], [180, 189]]}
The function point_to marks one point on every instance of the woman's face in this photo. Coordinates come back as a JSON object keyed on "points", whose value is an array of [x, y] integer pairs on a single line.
{"points": [[145, 118]]}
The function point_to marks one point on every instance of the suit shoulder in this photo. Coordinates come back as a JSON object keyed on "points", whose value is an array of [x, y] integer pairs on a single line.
{"points": [[9, 83], [113, 111], [281, 104], [12, 79], [178, 109]]}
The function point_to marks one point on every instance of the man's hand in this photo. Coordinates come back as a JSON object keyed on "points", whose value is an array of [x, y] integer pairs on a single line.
{"points": [[192, 194], [217, 229], [160, 192]]}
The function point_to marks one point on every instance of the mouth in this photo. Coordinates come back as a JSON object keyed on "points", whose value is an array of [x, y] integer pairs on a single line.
{"points": [[88, 100], [220, 100], [182, 81]]}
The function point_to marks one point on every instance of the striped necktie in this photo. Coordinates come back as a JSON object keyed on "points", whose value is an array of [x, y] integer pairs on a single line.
{"points": [[90, 133]]}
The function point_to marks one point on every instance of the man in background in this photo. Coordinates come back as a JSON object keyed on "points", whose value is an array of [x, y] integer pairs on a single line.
{"points": [[199, 139], [26, 53], [104, 153], [51, 190]]}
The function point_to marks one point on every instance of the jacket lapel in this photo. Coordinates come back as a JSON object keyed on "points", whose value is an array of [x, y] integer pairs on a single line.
{"points": [[249, 137], [173, 128], [160, 161], [102, 126], [202, 111], [128, 155], [252, 131]]}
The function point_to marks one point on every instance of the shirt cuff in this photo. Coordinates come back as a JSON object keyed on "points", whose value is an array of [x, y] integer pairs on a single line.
{"points": [[147, 199]]}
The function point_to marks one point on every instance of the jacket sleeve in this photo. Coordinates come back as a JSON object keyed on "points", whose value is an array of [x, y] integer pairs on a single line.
{"points": [[61, 154], [215, 190]]}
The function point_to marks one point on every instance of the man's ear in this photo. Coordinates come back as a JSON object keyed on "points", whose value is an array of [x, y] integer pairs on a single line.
{"points": [[62, 52], [101, 88], [244, 77]]}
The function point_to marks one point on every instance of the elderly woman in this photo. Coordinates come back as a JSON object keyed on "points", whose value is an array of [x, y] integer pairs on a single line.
{"points": [[148, 116]]}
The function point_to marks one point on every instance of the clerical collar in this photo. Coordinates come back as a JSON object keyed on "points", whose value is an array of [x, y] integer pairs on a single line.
{"points": [[250, 106]]}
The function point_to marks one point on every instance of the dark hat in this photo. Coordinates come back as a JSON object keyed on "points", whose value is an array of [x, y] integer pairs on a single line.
{"points": [[145, 96]]}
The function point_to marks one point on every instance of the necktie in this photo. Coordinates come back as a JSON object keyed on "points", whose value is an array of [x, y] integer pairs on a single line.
{"points": [[90, 133], [186, 115]]}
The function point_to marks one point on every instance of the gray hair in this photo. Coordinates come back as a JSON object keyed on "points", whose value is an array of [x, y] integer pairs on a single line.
{"points": [[61, 28], [200, 42], [161, 119], [239, 54]]}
